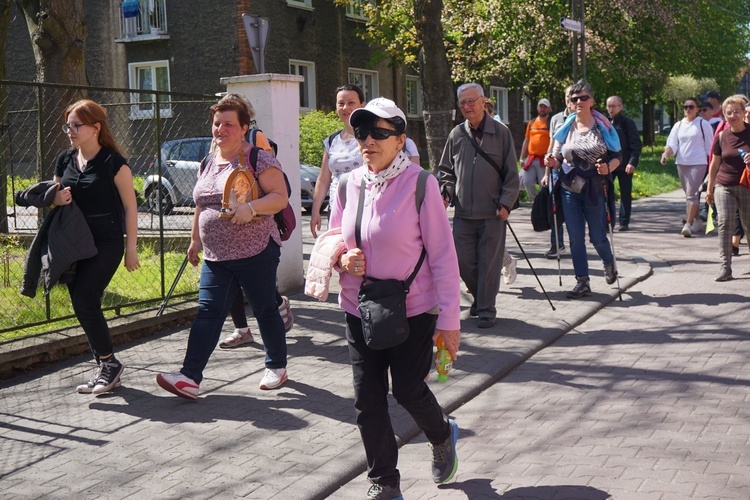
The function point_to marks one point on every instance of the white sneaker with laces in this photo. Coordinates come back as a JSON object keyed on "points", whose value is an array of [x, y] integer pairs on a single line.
{"points": [[509, 272], [273, 378], [687, 232], [240, 336]]}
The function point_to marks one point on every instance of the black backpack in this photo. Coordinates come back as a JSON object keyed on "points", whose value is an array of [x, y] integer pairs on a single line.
{"points": [[252, 134]]}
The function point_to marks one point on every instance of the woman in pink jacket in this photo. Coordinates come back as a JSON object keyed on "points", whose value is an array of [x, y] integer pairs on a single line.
{"points": [[393, 235]]}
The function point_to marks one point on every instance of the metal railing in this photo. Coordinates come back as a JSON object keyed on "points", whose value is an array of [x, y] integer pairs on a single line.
{"points": [[31, 137], [151, 20]]}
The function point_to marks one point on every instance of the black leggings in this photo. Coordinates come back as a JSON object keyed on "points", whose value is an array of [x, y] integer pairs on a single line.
{"points": [[91, 279]]}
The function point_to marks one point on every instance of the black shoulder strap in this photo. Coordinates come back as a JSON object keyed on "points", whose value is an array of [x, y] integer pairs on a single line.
{"points": [[483, 153], [332, 137]]}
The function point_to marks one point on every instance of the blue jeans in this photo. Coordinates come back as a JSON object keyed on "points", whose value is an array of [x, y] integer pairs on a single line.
{"points": [[577, 214], [220, 282]]}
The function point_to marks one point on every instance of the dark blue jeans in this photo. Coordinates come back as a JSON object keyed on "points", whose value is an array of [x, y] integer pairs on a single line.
{"points": [[218, 288], [577, 215], [626, 193]]}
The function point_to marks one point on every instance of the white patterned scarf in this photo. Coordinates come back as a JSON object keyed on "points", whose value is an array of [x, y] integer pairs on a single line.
{"points": [[380, 180]]}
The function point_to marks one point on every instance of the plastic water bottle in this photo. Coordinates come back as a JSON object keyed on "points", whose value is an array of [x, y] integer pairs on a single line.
{"points": [[742, 153], [443, 361]]}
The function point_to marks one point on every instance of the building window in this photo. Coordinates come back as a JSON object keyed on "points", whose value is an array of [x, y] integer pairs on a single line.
{"points": [[143, 19], [366, 80], [153, 75], [526, 109], [499, 96], [300, 4], [305, 69], [355, 9], [413, 97]]}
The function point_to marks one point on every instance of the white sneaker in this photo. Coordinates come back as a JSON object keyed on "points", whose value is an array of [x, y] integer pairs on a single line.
{"points": [[273, 378], [286, 313], [687, 232], [240, 336], [178, 384], [509, 272], [696, 226]]}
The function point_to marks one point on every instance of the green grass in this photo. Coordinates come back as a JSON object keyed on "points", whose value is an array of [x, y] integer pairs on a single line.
{"points": [[651, 177], [143, 284]]}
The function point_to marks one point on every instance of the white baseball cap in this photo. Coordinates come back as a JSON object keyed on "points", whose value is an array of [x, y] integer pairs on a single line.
{"points": [[545, 102], [380, 107]]}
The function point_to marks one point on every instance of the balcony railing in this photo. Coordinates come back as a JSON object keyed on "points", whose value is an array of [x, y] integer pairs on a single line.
{"points": [[143, 20]]}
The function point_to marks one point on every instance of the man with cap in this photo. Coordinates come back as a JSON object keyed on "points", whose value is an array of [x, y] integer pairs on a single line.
{"points": [[706, 111], [630, 142], [478, 175], [535, 146]]}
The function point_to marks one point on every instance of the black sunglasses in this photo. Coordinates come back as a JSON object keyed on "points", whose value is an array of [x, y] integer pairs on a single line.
{"points": [[377, 133], [582, 98], [688, 106]]}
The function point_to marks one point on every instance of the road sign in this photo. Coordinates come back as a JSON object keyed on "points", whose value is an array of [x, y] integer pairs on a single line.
{"points": [[570, 24]]}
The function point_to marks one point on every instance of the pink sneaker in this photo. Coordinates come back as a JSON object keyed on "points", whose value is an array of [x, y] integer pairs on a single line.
{"points": [[178, 384], [273, 378]]}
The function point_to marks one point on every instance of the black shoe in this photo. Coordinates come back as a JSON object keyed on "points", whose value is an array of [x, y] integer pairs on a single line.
{"points": [[444, 458], [486, 322], [610, 274], [735, 250], [109, 375], [623, 227], [552, 254], [473, 309], [380, 492], [724, 275], [582, 289]]}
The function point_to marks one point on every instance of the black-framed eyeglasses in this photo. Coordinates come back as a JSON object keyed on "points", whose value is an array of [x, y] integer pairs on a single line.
{"points": [[72, 126], [377, 133], [581, 98], [689, 106]]}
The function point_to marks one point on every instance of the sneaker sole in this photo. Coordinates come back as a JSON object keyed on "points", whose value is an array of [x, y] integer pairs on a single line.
{"points": [[264, 387], [174, 390], [89, 390], [580, 296], [454, 438]]}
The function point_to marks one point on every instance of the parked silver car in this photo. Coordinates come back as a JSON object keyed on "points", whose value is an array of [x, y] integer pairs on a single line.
{"points": [[181, 159]]}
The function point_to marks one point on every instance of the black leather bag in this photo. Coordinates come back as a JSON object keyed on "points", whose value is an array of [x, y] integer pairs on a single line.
{"points": [[382, 307]]}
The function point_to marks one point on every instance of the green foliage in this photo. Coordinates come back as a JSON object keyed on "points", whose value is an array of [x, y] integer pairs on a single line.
{"points": [[313, 128]]}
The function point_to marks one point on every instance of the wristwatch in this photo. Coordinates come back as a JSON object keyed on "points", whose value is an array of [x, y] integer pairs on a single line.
{"points": [[252, 210]]}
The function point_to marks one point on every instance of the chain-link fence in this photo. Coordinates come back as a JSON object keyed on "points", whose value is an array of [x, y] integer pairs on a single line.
{"points": [[164, 135]]}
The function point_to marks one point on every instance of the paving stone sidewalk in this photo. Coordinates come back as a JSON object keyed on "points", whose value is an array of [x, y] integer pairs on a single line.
{"points": [[300, 441]]}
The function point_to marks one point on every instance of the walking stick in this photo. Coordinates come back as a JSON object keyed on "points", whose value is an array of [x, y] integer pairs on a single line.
{"points": [[611, 234], [174, 284], [555, 228], [507, 223]]}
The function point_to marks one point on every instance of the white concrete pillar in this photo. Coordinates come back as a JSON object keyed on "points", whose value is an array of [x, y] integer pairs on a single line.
{"points": [[275, 99]]}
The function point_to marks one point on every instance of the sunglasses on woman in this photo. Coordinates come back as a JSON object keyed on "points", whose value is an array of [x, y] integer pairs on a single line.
{"points": [[688, 106], [581, 98], [377, 133]]}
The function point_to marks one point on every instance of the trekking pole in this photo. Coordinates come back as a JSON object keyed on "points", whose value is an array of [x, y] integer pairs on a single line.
{"points": [[611, 234], [507, 223], [174, 285], [555, 228]]}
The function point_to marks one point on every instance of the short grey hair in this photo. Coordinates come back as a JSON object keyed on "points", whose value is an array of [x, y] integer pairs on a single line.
{"points": [[467, 86]]}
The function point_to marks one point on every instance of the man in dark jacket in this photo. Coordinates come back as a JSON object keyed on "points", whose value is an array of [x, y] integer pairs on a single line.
{"points": [[630, 141], [483, 195]]}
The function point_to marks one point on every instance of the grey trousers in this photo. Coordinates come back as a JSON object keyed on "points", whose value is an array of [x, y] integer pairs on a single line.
{"points": [[480, 246], [729, 200]]}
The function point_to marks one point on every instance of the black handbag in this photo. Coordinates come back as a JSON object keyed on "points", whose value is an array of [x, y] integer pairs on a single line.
{"points": [[382, 303]]}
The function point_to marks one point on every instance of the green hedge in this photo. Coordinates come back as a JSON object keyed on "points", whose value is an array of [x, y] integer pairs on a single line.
{"points": [[313, 128]]}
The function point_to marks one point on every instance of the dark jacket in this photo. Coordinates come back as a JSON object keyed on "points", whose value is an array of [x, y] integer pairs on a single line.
{"points": [[473, 183], [630, 140], [63, 239]]}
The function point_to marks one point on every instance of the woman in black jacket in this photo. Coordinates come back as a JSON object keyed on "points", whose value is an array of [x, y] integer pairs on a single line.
{"points": [[95, 174]]}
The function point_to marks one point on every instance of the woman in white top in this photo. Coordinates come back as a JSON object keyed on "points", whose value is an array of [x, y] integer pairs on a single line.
{"points": [[410, 148], [690, 143], [341, 152]]}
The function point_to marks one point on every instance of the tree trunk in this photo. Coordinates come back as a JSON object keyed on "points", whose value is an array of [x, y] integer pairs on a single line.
{"points": [[5, 7], [58, 37], [648, 122], [438, 102]]}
